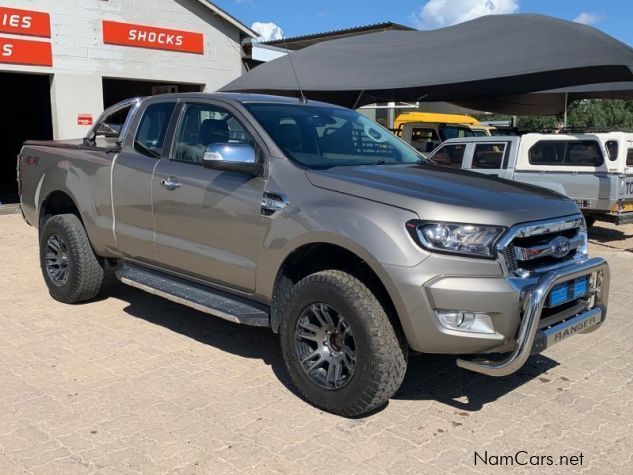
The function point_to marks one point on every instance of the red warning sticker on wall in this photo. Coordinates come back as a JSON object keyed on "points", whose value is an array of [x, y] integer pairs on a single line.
{"points": [[84, 119]]}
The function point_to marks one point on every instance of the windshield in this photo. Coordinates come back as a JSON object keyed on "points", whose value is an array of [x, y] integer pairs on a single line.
{"points": [[323, 137]]}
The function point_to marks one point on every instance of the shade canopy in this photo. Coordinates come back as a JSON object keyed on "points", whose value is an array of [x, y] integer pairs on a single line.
{"points": [[549, 102], [496, 55]]}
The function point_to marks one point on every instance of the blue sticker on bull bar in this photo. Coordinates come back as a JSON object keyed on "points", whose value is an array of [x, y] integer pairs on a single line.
{"points": [[568, 291]]}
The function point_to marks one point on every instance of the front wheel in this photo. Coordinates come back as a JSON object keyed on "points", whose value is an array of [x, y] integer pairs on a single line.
{"points": [[340, 348]]}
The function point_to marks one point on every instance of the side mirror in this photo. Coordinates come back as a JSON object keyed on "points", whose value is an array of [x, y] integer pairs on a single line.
{"points": [[234, 157]]}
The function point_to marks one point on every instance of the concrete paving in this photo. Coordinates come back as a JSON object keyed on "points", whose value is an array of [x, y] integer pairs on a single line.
{"points": [[136, 384]]}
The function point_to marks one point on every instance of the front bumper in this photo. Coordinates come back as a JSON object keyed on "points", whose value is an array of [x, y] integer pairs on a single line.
{"points": [[532, 339], [514, 304]]}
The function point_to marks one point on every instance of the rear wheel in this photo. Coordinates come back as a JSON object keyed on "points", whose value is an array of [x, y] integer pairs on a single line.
{"points": [[340, 348], [71, 270]]}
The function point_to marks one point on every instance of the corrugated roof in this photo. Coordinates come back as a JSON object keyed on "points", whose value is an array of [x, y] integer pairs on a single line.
{"points": [[288, 42]]}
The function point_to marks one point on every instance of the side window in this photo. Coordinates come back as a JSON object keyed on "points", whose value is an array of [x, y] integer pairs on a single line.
{"points": [[424, 139], [612, 149], [150, 135], [455, 132], [629, 158], [578, 153], [206, 124], [450, 155], [488, 156]]}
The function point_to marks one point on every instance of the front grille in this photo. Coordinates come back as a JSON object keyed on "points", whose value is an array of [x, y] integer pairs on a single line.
{"points": [[540, 246]]}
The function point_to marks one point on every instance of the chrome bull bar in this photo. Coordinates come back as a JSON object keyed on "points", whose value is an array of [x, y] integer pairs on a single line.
{"points": [[535, 299]]}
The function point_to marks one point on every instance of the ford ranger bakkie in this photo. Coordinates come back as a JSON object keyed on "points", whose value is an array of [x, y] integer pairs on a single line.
{"points": [[316, 222]]}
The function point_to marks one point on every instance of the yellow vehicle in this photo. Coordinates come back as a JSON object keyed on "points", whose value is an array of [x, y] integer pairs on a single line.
{"points": [[432, 117], [426, 130]]}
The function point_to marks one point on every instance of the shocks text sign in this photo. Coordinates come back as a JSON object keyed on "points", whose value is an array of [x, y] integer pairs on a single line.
{"points": [[142, 36]]}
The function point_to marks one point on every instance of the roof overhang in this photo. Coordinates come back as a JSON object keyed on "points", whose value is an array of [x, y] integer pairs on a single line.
{"points": [[229, 18]]}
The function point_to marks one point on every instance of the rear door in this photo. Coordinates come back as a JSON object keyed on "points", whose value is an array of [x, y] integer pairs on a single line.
{"points": [[489, 158], [132, 180]]}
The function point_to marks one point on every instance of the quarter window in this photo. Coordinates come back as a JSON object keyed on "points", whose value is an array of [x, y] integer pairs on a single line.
{"points": [[450, 155], [629, 158], [108, 129], [152, 129], [489, 156], [206, 124], [578, 153]]}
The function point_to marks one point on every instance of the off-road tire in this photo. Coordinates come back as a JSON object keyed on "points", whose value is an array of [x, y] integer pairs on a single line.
{"points": [[86, 272], [381, 350]]}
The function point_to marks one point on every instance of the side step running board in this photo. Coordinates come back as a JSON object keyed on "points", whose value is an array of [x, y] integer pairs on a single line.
{"points": [[204, 299]]}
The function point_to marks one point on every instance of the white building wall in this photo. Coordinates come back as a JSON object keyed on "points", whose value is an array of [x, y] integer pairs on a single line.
{"points": [[81, 59]]}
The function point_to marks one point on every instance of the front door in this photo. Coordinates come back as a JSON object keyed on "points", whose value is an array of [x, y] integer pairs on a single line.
{"points": [[207, 222]]}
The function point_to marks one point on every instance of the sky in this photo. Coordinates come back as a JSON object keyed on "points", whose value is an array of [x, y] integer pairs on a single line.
{"points": [[274, 18]]}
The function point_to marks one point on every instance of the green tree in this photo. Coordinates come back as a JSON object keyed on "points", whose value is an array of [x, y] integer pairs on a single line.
{"points": [[587, 113]]}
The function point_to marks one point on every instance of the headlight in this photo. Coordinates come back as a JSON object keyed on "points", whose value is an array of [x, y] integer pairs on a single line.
{"points": [[465, 239]]}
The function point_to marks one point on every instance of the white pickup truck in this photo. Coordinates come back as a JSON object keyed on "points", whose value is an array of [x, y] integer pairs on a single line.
{"points": [[595, 170]]}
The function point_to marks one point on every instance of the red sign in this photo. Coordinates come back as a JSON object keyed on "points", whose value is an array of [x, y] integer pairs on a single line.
{"points": [[25, 22], [84, 119], [142, 36], [36, 53]]}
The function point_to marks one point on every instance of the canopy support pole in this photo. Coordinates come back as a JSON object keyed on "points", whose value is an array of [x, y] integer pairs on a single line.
{"points": [[565, 115], [360, 94]]}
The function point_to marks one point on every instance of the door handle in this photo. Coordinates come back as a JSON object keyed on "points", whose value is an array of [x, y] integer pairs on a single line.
{"points": [[170, 183]]}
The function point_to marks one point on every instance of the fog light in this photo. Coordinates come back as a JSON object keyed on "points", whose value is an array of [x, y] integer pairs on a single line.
{"points": [[461, 320]]}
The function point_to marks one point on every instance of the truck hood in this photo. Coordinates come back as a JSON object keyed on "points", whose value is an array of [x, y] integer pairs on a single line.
{"points": [[438, 193]]}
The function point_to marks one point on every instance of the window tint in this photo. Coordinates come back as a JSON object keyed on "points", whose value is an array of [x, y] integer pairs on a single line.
{"points": [[629, 158], [489, 155], [581, 153], [150, 135], [450, 155], [206, 124], [424, 139]]}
